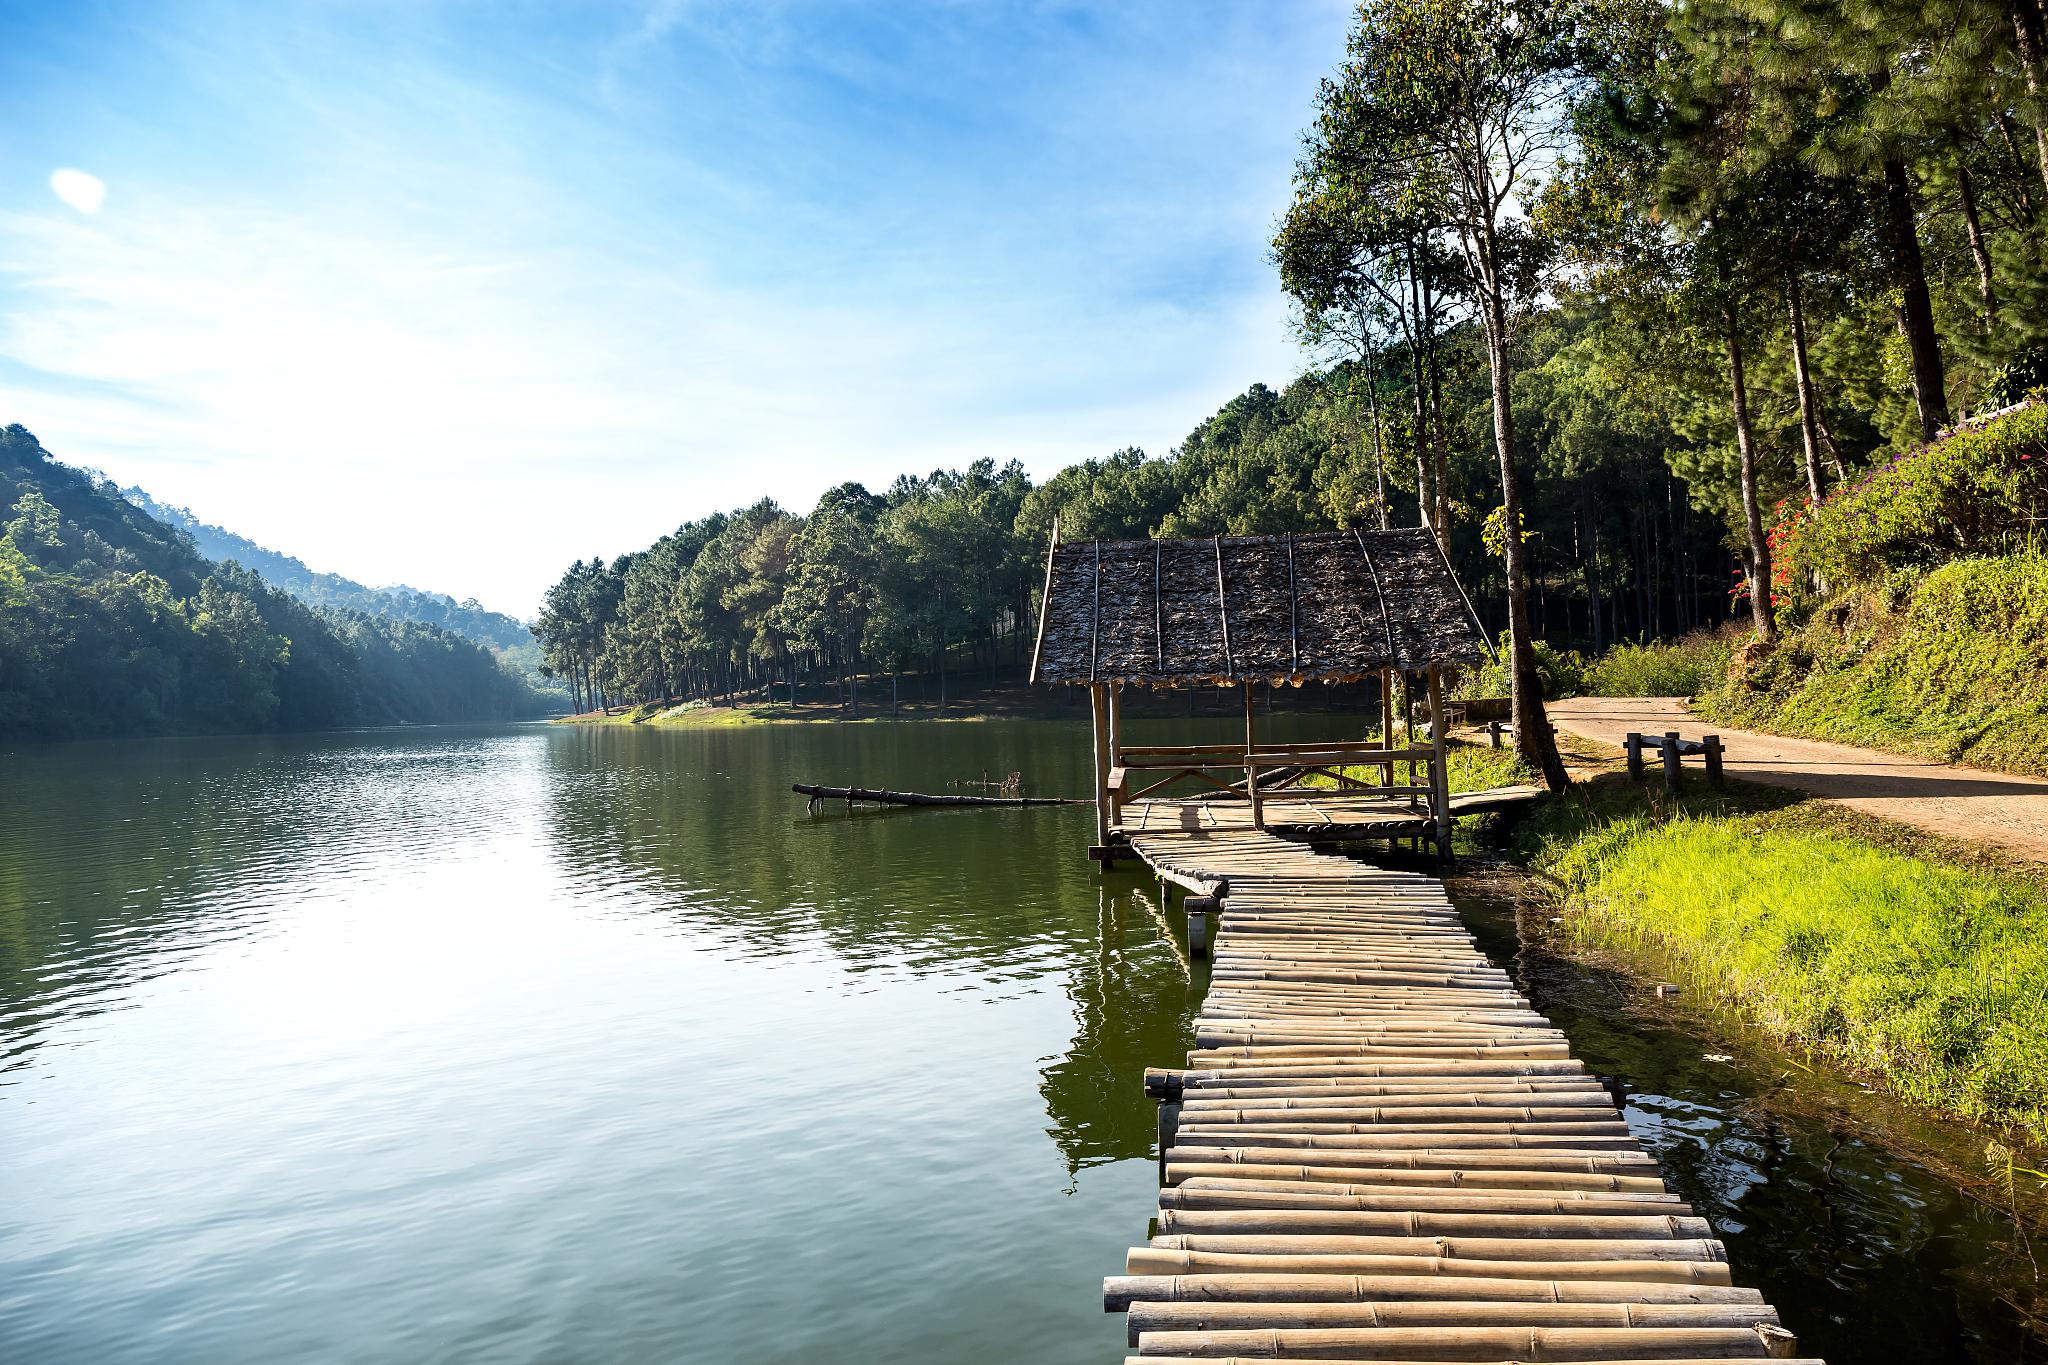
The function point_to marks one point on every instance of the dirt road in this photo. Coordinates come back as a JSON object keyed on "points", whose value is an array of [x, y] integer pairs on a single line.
{"points": [[2008, 813]]}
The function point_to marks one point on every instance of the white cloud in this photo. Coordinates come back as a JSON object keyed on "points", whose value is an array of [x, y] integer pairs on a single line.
{"points": [[469, 423], [81, 191], [511, 309]]}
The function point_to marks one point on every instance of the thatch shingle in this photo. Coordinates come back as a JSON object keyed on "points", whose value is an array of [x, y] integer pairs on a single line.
{"points": [[1328, 605]]}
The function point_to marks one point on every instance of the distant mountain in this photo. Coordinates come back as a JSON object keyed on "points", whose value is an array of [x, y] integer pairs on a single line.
{"points": [[468, 619], [113, 623]]}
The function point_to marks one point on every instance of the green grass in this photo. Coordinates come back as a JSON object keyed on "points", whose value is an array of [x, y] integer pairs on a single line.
{"points": [[1910, 960], [698, 715], [1470, 767], [1673, 668], [1949, 663], [1662, 668]]}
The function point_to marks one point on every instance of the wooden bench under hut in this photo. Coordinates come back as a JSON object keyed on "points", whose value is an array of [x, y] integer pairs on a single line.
{"points": [[1234, 611]]}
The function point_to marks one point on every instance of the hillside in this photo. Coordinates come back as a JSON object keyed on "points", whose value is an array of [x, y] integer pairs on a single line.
{"points": [[1915, 607], [113, 623], [470, 619]]}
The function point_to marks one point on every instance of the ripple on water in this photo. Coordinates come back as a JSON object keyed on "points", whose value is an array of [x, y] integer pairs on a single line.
{"points": [[518, 1044]]}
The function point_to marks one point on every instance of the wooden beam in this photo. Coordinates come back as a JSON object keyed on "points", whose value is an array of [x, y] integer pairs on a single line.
{"points": [[1293, 613], [1440, 778], [1095, 616], [1386, 617], [1098, 715], [1158, 615], [1044, 601], [1116, 728], [1251, 772], [1223, 611], [1387, 723]]}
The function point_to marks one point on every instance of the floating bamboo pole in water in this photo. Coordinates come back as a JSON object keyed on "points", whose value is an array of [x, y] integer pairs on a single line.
{"points": [[888, 798]]}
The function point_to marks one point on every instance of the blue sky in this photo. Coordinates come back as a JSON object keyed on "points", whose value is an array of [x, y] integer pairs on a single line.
{"points": [[453, 293]]}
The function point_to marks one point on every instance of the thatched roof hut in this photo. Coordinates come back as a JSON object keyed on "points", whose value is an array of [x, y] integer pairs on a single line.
{"points": [[1329, 606]]}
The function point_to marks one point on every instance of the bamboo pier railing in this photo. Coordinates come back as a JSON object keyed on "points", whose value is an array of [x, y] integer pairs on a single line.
{"points": [[1379, 1151]]}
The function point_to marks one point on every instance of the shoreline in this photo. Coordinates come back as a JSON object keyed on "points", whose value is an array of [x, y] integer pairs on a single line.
{"points": [[1891, 955]]}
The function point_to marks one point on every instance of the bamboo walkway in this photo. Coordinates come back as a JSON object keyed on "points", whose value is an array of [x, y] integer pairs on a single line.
{"points": [[1381, 1152]]}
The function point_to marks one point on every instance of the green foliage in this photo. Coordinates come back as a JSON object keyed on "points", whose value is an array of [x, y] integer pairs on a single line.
{"points": [[1479, 767], [1981, 490], [1930, 976], [1677, 668], [1562, 673], [2026, 373], [1468, 768], [1949, 663], [111, 623], [469, 619]]}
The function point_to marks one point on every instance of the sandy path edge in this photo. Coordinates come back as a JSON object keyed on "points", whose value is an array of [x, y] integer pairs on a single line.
{"points": [[1996, 809]]}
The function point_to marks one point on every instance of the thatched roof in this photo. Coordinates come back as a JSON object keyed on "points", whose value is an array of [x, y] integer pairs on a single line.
{"points": [[1328, 605]]}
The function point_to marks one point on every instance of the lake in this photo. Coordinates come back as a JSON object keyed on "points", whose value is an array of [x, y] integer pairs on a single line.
{"points": [[592, 1044]]}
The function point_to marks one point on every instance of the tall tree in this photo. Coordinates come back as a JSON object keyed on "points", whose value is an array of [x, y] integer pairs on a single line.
{"points": [[1454, 109]]}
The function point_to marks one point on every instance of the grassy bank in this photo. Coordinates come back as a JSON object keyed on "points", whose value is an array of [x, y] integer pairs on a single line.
{"points": [[1916, 962], [704, 715], [1914, 606], [1949, 663], [1470, 766]]}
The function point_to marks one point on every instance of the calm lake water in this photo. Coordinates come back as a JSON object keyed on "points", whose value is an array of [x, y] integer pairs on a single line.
{"points": [[563, 1044]]}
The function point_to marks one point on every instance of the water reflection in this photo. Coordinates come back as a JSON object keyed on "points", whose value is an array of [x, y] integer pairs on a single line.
{"points": [[1868, 1254], [530, 1043], [527, 1043], [1134, 1005]]}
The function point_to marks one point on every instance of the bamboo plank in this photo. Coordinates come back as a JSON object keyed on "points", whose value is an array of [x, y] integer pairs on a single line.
{"points": [[1380, 1150]]}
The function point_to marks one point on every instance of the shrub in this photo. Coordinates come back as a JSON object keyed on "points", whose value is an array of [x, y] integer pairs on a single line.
{"points": [[1949, 663], [1982, 490], [1562, 671], [1675, 668]]}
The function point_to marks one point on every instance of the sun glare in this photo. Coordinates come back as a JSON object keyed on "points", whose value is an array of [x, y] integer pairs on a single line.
{"points": [[78, 189]]}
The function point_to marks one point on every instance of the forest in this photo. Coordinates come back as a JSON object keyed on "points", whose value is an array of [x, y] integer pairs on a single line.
{"points": [[113, 623], [1603, 292], [506, 637]]}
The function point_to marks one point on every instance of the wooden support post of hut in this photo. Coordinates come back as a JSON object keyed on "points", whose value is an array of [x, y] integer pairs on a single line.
{"points": [[1098, 709], [1440, 777], [1251, 776], [1233, 612]]}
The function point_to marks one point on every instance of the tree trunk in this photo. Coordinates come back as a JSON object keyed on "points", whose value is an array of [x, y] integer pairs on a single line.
{"points": [[1592, 549], [1425, 496], [2019, 165], [2026, 32], [1752, 512], [1916, 309], [1379, 462], [1809, 424], [1440, 471], [1978, 251], [1827, 437], [1534, 740]]}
